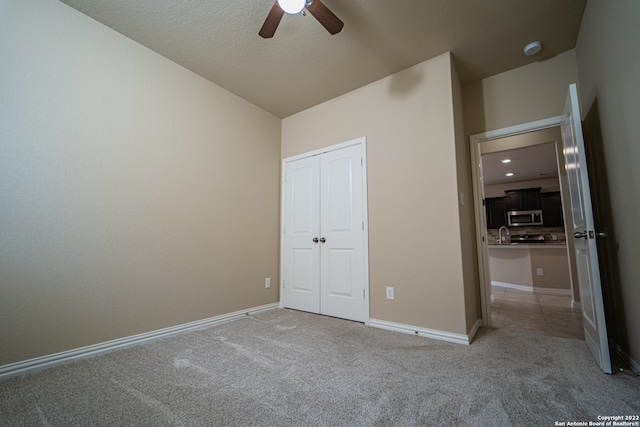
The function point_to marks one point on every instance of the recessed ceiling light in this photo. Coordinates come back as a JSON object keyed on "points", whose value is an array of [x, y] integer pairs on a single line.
{"points": [[506, 160], [532, 48], [509, 174]]}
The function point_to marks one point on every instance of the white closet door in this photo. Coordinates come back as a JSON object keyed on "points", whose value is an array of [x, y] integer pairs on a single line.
{"points": [[342, 278], [301, 269], [324, 239]]}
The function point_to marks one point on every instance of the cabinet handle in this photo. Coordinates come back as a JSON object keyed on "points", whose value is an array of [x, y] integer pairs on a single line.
{"points": [[322, 240], [315, 240]]}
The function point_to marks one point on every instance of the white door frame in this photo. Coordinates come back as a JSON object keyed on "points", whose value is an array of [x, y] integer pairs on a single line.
{"points": [[476, 172], [362, 141]]}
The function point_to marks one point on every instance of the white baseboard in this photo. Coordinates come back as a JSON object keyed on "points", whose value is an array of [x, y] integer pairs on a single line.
{"points": [[635, 366], [542, 291], [424, 332], [66, 356], [474, 329], [576, 305]]}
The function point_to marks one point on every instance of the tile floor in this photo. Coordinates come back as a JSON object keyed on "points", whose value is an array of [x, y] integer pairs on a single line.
{"points": [[539, 313]]}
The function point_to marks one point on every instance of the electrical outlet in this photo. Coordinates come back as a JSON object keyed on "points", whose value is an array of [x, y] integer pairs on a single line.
{"points": [[540, 272], [267, 282], [390, 292]]}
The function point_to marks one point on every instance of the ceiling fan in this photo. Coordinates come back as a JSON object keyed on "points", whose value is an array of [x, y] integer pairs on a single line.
{"points": [[328, 19]]}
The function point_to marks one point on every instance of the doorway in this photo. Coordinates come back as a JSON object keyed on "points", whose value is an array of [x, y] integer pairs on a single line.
{"points": [[529, 269], [583, 249], [494, 141]]}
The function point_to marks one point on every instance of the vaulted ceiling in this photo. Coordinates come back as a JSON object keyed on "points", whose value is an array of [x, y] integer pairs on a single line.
{"points": [[303, 65]]}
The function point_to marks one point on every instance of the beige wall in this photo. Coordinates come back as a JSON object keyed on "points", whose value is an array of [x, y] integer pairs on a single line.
{"points": [[608, 69], [555, 268], [519, 266], [465, 206], [526, 94], [521, 140], [135, 195], [510, 265], [414, 232]]}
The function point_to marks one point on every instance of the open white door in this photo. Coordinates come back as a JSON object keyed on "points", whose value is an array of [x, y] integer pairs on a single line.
{"points": [[595, 328]]}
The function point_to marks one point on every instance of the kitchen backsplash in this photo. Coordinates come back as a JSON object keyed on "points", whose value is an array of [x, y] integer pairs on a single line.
{"points": [[549, 232]]}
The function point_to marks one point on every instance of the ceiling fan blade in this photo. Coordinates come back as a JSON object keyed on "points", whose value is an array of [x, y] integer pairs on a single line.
{"points": [[328, 19], [271, 23]]}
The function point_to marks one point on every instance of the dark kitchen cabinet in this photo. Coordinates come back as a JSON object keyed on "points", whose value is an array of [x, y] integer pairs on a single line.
{"points": [[496, 212], [552, 209], [524, 200]]}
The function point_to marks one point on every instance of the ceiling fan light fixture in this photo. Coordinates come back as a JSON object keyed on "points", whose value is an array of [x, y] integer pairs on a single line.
{"points": [[292, 6], [323, 15]]}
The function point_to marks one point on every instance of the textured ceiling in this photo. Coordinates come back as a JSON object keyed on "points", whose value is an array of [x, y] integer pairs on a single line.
{"points": [[302, 65]]}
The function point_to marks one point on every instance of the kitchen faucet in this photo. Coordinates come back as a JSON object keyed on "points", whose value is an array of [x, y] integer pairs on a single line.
{"points": [[500, 233]]}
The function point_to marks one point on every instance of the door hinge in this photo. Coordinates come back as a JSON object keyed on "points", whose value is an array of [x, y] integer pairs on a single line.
{"points": [[362, 225], [363, 293], [361, 161], [282, 283]]}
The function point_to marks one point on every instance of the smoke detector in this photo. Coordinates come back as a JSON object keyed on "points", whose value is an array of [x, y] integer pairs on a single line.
{"points": [[532, 48]]}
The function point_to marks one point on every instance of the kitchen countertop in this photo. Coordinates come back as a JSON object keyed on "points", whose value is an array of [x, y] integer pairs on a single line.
{"points": [[528, 246]]}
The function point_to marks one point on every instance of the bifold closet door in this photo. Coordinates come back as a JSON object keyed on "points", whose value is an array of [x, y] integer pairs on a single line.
{"points": [[323, 241]]}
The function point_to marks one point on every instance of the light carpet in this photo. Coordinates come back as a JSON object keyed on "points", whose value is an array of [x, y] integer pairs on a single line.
{"points": [[289, 368]]}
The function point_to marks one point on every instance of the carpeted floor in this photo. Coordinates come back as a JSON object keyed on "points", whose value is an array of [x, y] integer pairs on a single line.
{"points": [[285, 368]]}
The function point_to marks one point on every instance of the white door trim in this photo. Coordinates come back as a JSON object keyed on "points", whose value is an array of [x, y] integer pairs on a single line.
{"points": [[362, 141], [483, 257]]}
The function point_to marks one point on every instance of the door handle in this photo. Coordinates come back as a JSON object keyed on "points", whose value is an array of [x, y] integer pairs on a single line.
{"points": [[590, 234], [580, 234], [322, 240], [315, 240]]}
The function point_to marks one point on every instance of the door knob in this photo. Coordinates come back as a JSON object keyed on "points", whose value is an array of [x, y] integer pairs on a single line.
{"points": [[580, 234], [602, 234], [315, 240], [322, 240]]}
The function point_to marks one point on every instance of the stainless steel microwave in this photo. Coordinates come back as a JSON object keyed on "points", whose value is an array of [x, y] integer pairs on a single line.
{"points": [[518, 218]]}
